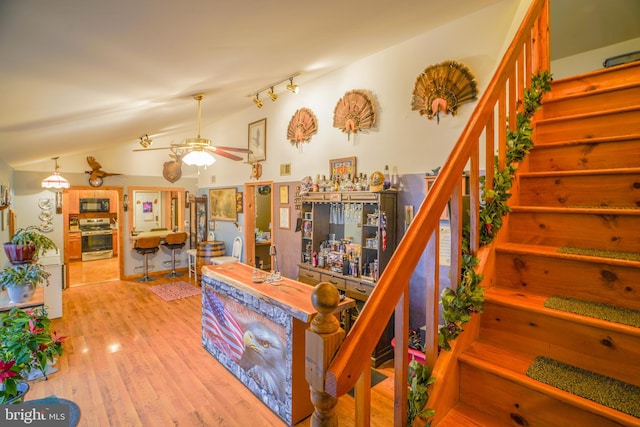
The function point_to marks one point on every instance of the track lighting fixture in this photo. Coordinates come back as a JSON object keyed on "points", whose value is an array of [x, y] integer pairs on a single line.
{"points": [[291, 87], [269, 90], [273, 95], [257, 101], [145, 141]]}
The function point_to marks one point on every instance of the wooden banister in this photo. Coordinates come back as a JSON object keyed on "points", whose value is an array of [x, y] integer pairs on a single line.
{"points": [[484, 133]]}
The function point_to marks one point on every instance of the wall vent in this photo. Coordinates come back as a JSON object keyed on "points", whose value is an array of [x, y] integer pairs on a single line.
{"points": [[285, 169]]}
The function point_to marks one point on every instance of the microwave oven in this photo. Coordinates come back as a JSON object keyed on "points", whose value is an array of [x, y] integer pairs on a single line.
{"points": [[94, 205]]}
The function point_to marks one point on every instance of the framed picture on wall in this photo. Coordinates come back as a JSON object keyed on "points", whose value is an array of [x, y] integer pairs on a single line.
{"points": [[239, 202], [285, 212], [222, 204], [342, 167], [284, 194], [257, 141]]}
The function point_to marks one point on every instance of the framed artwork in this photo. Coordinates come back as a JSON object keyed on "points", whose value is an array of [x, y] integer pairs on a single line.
{"points": [[239, 202], [222, 204], [344, 166], [284, 217], [257, 141], [284, 194]]}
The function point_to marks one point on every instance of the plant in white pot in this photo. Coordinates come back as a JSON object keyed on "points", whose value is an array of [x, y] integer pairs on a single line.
{"points": [[28, 344], [21, 280], [27, 244]]}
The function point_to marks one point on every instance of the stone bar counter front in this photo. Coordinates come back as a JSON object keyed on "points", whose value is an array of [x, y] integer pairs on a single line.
{"points": [[257, 331]]}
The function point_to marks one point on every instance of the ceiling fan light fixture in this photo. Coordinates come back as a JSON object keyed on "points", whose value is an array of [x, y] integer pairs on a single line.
{"points": [[198, 158], [272, 95], [291, 87], [55, 181], [257, 101]]}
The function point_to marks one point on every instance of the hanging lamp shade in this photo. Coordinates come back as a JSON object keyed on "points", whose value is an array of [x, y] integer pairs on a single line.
{"points": [[197, 157], [55, 180]]}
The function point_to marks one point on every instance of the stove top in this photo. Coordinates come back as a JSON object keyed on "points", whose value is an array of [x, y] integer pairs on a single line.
{"points": [[89, 224]]}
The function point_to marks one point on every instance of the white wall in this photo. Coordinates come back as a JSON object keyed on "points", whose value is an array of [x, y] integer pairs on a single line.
{"points": [[401, 137], [591, 60]]}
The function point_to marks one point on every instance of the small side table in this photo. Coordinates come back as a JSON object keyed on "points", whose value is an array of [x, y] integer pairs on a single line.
{"points": [[37, 300]]}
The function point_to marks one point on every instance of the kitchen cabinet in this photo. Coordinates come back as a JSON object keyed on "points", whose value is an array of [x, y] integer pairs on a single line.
{"points": [[347, 240], [74, 246]]}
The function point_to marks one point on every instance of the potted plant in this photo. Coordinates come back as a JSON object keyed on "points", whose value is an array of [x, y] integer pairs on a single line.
{"points": [[27, 244], [21, 280], [28, 344]]}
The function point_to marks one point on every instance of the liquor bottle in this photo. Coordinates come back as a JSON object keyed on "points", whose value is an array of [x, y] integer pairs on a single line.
{"points": [[387, 178]]}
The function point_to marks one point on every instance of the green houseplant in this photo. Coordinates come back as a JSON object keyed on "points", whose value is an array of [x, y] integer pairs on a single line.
{"points": [[27, 244], [21, 280], [27, 344]]}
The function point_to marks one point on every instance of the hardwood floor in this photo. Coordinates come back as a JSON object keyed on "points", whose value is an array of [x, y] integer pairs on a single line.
{"points": [[131, 359], [82, 273]]}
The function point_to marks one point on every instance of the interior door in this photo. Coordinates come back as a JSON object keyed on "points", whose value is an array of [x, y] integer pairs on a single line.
{"points": [[251, 220]]}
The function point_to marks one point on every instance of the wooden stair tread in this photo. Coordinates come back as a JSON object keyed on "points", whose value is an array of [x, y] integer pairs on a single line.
{"points": [[465, 415], [598, 91], [567, 118], [535, 303], [588, 211], [580, 172], [552, 252], [511, 366], [578, 141]]}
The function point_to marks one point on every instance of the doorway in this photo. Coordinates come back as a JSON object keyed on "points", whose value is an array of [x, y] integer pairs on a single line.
{"points": [[258, 219], [80, 268]]}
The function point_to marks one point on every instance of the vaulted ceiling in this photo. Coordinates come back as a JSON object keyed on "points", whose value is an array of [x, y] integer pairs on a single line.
{"points": [[78, 75]]}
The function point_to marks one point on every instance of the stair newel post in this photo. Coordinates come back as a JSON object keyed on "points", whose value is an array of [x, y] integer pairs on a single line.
{"points": [[322, 340]]}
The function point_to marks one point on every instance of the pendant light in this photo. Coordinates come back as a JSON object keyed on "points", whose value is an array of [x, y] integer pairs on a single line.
{"points": [[55, 181]]}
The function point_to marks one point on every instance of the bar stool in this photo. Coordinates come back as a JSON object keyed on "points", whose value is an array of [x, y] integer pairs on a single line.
{"points": [[147, 246], [174, 242], [191, 261]]}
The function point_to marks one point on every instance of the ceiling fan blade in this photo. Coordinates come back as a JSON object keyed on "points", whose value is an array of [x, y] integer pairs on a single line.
{"points": [[152, 149], [239, 150], [225, 154]]}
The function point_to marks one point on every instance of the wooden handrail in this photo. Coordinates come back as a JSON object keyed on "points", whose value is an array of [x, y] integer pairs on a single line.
{"points": [[497, 107]]}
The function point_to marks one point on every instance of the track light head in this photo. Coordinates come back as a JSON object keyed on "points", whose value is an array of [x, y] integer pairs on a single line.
{"points": [[291, 87], [272, 95], [257, 101]]}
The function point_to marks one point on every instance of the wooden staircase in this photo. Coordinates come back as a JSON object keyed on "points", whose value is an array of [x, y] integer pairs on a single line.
{"points": [[579, 187]]}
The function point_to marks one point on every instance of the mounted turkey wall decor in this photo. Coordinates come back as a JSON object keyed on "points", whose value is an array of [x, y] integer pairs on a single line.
{"points": [[443, 88], [354, 112], [302, 127]]}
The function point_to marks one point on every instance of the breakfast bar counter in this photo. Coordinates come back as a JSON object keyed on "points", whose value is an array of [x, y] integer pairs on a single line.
{"points": [[257, 331]]}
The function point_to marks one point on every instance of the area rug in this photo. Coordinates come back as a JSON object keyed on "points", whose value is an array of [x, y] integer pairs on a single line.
{"points": [[589, 385], [625, 316], [376, 377], [174, 291]]}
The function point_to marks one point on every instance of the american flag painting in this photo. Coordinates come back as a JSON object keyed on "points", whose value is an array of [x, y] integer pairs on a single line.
{"points": [[221, 327]]}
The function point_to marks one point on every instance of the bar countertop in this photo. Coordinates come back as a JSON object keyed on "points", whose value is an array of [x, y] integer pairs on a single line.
{"points": [[290, 295]]}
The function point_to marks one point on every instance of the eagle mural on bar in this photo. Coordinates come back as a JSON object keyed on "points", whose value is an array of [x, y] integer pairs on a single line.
{"points": [[255, 347]]}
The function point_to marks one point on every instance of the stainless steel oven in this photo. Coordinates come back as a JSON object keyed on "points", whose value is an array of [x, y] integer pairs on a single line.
{"points": [[97, 239]]}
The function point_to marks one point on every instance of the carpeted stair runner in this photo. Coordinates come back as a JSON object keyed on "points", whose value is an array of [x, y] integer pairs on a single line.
{"points": [[625, 316], [628, 256], [606, 391]]}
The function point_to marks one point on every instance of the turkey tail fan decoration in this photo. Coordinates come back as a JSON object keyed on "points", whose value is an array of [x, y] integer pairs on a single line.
{"points": [[354, 112], [302, 127], [443, 88]]}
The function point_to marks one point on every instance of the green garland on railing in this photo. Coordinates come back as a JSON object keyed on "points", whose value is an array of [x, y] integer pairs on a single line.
{"points": [[468, 298], [459, 304]]}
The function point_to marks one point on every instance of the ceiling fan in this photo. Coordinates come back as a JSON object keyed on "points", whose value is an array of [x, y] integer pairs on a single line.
{"points": [[197, 151]]}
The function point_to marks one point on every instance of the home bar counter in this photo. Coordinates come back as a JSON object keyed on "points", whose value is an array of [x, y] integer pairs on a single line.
{"points": [[257, 331]]}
